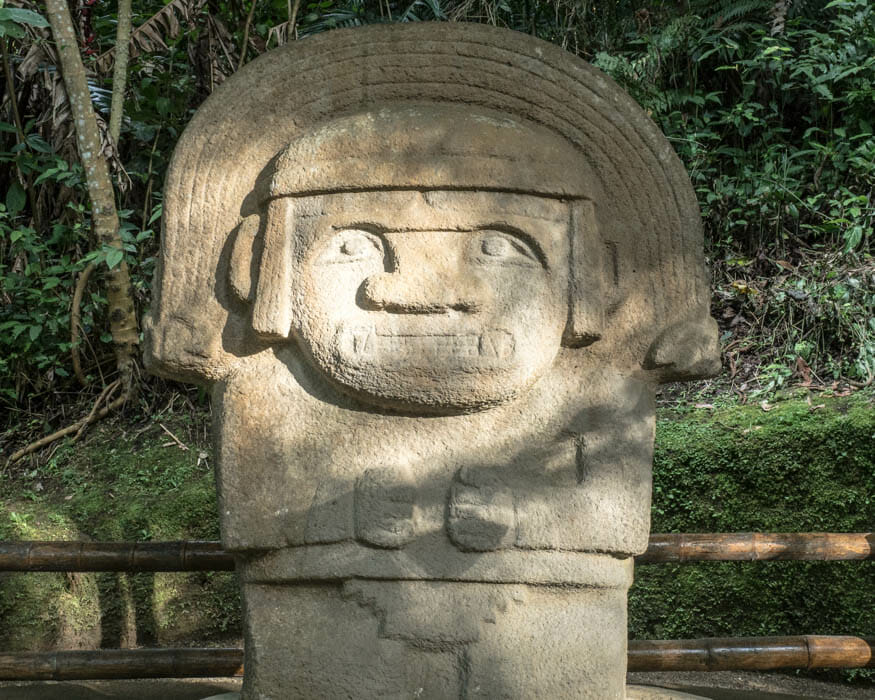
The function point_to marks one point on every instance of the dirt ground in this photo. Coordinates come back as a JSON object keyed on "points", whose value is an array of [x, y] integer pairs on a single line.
{"points": [[714, 686], [159, 689], [738, 685]]}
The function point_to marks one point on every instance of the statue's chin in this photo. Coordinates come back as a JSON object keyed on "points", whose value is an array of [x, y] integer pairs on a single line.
{"points": [[441, 393]]}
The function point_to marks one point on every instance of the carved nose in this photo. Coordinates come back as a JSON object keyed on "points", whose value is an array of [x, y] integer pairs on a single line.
{"points": [[425, 293], [429, 275]]}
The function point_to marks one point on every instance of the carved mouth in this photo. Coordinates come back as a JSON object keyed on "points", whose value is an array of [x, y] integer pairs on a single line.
{"points": [[368, 344]]}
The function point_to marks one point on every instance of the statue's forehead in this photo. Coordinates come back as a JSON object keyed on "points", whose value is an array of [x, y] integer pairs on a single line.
{"points": [[431, 147], [413, 209]]}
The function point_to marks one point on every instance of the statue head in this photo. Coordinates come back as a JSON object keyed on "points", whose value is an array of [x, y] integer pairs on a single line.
{"points": [[422, 256], [430, 247]]}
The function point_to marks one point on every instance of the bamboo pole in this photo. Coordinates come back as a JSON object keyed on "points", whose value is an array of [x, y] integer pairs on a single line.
{"points": [[759, 546], [114, 556], [751, 653], [107, 664], [716, 654], [209, 556]]}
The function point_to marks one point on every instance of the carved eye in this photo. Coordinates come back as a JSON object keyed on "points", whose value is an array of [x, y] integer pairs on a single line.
{"points": [[503, 248], [352, 246]]}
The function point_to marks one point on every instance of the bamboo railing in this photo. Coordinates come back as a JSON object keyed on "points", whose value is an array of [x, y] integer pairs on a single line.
{"points": [[759, 546], [713, 654], [751, 653], [114, 556], [209, 556], [732, 654], [109, 664]]}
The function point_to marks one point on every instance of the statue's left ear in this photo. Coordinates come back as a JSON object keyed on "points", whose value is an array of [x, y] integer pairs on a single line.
{"points": [[686, 350], [588, 279]]}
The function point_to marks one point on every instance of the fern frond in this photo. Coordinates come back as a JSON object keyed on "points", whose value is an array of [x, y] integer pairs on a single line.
{"points": [[151, 35], [726, 12]]}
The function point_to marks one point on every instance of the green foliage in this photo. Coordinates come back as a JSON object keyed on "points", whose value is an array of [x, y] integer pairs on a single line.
{"points": [[11, 19], [742, 469], [37, 276], [36, 280], [824, 313], [772, 117], [40, 259], [775, 128]]}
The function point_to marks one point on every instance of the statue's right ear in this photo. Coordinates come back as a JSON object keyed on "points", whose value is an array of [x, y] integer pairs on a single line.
{"points": [[588, 285], [243, 252], [266, 285]]}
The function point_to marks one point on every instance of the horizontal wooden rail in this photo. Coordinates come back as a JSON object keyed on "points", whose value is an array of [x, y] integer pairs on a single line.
{"points": [[759, 546], [114, 556], [734, 654], [209, 556], [751, 653], [108, 664]]}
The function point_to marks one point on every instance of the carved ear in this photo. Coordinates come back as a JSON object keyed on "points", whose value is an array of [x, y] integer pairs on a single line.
{"points": [[272, 308], [686, 350], [240, 270], [588, 278]]}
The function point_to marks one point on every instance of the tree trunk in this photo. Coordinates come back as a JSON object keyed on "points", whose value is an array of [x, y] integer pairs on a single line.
{"points": [[122, 318]]}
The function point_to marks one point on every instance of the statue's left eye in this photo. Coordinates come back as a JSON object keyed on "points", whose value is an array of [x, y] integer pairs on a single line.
{"points": [[353, 245], [504, 248], [357, 246]]}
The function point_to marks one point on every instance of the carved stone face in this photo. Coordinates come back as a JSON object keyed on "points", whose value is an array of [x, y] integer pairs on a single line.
{"points": [[436, 301]]}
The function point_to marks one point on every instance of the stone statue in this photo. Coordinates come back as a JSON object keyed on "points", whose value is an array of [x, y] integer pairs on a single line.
{"points": [[433, 274]]}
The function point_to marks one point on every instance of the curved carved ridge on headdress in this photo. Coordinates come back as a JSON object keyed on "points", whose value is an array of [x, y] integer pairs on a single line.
{"points": [[661, 271]]}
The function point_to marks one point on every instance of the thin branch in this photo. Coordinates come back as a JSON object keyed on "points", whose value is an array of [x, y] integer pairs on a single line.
{"points": [[293, 18], [72, 428], [147, 200], [75, 322], [150, 35], [120, 69], [10, 89], [175, 439], [245, 44], [107, 392]]}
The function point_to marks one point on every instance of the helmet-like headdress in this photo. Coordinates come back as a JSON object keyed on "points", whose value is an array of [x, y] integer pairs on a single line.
{"points": [[638, 276]]}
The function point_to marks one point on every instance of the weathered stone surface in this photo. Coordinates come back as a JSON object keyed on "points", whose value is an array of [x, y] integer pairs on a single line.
{"points": [[433, 274], [429, 639]]}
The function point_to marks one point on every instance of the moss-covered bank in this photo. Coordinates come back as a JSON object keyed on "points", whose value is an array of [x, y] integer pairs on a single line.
{"points": [[125, 482], [792, 468], [797, 467]]}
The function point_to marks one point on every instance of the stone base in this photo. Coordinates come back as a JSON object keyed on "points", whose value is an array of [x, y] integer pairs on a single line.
{"points": [[418, 639]]}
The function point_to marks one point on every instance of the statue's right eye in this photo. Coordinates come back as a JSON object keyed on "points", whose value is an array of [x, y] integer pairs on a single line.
{"points": [[351, 246]]}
